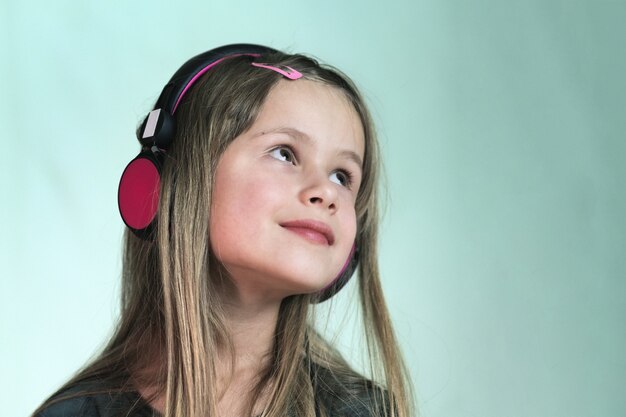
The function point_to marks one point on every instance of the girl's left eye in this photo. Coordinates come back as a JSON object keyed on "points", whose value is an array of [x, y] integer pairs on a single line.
{"points": [[343, 178], [283, 153]]}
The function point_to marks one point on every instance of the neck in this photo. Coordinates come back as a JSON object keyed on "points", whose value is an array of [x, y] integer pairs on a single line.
{"points": [[251, 323], [252, 327]]}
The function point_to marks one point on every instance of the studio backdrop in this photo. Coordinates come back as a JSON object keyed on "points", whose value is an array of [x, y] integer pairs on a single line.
{"points": [[502, 125]]}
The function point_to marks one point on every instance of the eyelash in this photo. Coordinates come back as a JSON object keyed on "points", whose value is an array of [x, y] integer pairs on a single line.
{"points": [[292, 154], [349, 177]]}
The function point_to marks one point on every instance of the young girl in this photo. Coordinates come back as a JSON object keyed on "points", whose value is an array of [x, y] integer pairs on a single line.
{"points": [[254, 198]]}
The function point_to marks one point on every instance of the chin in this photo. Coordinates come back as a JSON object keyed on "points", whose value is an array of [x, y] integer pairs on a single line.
{"points": [[299, 280], [312, 286], [277, 283]]}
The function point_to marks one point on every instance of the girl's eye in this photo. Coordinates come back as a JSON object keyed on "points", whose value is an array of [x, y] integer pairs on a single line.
{"points": [[283, 153], [343, 178]]}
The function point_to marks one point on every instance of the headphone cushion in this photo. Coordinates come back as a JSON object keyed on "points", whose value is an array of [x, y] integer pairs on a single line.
{"points": [[138, 193]]}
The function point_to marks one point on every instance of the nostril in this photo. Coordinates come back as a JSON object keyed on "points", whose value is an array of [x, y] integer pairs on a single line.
{"points": [[315, 200]]}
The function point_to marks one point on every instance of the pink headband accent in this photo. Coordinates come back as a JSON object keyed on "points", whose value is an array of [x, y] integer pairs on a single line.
{"points": [[289, 72], [201, 72]]}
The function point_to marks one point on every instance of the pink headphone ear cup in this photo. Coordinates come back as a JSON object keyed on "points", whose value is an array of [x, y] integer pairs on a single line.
{"points": [[342, 279], [138, 193]]}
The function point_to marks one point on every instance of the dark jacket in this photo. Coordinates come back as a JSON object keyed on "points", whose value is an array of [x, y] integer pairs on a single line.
{"points": [[94, 399]]}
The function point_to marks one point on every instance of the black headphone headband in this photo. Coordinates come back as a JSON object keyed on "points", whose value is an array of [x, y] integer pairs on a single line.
{"points": [[158, 128], [191, 70]]}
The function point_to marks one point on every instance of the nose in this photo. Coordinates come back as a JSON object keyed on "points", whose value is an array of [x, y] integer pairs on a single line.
{"points": [[321, 192]]}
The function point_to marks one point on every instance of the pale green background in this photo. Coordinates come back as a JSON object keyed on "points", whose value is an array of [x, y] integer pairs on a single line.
{"points": [[502, 125]]}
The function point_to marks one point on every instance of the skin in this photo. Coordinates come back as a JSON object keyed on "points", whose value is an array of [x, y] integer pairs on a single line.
{"points": [[292, 164]]}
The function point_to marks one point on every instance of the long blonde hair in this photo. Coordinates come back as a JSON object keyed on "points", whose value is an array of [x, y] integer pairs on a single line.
{"points": [[170, 308]]}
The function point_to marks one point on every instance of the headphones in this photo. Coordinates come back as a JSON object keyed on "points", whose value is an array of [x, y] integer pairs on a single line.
{"points": [[138, 192]]}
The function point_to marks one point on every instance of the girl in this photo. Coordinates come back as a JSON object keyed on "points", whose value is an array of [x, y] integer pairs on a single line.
{"points": [[254, 197]]}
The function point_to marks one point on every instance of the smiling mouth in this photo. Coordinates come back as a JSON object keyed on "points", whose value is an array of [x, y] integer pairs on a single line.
{"points": [[311, 230]]}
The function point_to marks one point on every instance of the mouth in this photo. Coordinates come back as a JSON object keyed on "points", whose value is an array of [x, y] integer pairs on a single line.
{"points": [[311, 230]]}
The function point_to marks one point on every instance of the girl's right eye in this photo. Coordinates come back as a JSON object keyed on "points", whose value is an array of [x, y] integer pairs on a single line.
{"points": [[283, 153]]}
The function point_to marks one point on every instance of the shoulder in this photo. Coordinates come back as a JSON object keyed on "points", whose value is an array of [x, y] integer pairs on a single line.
{"points": [[348, 394], [70, 407], [93, 399]]}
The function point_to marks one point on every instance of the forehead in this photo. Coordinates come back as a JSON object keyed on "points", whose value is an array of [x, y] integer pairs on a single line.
{"points": [[320, 111]]}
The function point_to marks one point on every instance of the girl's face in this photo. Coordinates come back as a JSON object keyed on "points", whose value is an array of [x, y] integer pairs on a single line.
{"points": [[282, 217]]}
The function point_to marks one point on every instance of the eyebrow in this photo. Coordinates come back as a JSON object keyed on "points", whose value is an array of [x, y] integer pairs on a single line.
{"points": [[301, 136]]}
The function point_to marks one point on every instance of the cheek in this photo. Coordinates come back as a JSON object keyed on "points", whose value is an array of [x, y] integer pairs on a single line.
{"points": [[351, 231], [348, 219], [226, 209], [240, 210], [348, 230]]}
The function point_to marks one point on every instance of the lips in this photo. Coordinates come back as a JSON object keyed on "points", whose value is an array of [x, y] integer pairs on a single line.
{"points": [[312, 230]]}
